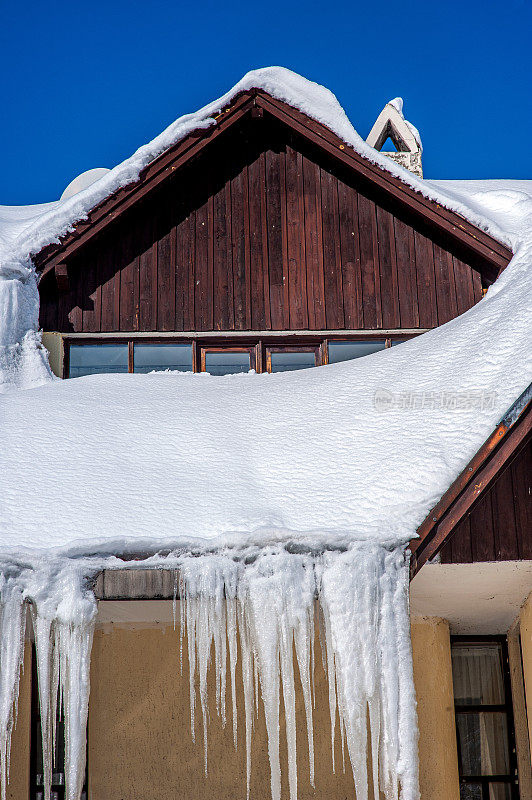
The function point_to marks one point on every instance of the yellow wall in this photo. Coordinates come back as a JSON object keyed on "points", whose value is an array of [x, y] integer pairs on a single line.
{"points": [[19, 771], [438, 760], [54, 344], [140, 744], [526, 649]]}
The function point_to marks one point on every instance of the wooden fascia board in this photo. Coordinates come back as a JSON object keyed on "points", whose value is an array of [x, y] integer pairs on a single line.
{"points": [[484, 468], [153, 174], [447, 221], [150, 177]]}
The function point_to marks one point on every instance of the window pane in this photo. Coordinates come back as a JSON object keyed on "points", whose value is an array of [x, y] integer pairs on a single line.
{"points": [[226, 362], [500, 791], [483, 743], [345, 351], [149, 357], [293, 359], [477, 674], [470, 791], [91, 359]]}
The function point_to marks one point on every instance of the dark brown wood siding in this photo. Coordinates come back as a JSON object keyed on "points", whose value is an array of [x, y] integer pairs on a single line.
{"points": [[499, 527], [262, 231]]}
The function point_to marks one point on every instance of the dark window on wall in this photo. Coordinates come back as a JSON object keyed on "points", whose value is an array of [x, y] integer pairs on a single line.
{"points": [[484, 719], [36, 760], [204, 355]]}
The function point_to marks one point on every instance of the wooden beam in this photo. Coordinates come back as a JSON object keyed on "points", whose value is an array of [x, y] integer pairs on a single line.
{"points": [[61, 278]]}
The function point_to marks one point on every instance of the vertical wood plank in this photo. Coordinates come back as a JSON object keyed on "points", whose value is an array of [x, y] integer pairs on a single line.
{"points": [[75, 304], [406, 274], [147, 275], [388, 269], [445, 288], [521, 470], [504, 517], [166, 255], [334, 309], [314, 245], [92, 295], [368, 260], [202, 273], [482, 531], [297, 273], [462, 543], [426, 291], [223, 311], [128, 281], [109, 276], [464, 286], [258, 244], [350, 256], [274, 212], [239, 248]]}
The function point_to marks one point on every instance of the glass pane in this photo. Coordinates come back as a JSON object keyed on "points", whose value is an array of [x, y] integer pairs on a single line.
{"points": [[483, 743], [477, 674], [226, 362], [149, 357], [345, 351], [293, 359], [500, 791], [470, 791], [91, 359]]}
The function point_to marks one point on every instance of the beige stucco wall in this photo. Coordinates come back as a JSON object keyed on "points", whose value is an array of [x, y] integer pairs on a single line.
{"points": [[19, 771], [438, 760], [140, 744], [56, 352], [526, 650]]}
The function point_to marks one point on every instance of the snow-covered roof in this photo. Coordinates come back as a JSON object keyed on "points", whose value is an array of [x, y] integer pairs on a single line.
{"points": [[353, 450]]}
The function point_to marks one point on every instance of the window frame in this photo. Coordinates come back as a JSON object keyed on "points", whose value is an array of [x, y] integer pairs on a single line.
{"points": [[256, 343], [36, 743], [512, 778]]}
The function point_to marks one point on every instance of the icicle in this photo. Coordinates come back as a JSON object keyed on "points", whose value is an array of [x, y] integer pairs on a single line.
{"points": [[74, 645], [12, 634], [265, 609]]}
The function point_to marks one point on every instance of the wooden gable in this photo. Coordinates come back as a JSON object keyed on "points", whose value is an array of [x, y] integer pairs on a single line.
{"points": [[263, 227]]}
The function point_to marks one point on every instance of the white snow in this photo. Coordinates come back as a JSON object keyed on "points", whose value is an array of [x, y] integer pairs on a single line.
{"points": [[326, 473]]}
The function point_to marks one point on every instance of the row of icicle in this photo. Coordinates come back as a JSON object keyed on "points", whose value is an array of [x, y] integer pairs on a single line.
{"points": [[261, 611]]}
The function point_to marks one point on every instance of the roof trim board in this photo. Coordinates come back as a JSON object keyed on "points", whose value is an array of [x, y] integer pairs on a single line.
{"points": [[493, 254]]}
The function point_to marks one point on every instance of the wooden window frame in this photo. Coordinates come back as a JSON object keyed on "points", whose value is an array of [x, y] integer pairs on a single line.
{"points": [[204, 349], [294, 348], [511, 779], [259, 345]]}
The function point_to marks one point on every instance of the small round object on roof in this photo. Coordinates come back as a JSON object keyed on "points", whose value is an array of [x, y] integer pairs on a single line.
{"points": [[83, 180]]}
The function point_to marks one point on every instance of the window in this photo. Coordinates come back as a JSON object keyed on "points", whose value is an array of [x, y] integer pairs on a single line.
{"points": [[209, 354], [150, 357], [484, 719], [36, 765], [92, 359], [285, 359], [346, 350], [226, 361]]}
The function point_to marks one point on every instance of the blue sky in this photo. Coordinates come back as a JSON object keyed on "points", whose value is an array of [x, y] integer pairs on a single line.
{"points": [[84, 84]]}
